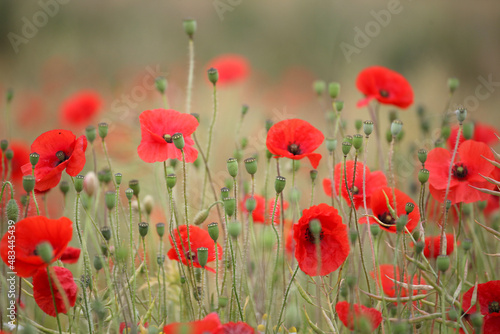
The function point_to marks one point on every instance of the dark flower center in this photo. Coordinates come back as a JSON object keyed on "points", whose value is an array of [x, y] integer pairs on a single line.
{"points": [[191, 256], [387, 218], [459, 170], [355, 190], [311, 238], [61, 156], [294, 148], [494, 307], [383, 93], [167, 137]]}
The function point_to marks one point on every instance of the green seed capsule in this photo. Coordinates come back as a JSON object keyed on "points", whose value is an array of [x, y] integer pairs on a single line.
{"points": [[4, 143], [90, 133], [234, 229], [346, 148], [445, 132], [118, 178], [64, 187], [422, 155], [229, 206], [423, 175], [250, 204], [160, 229], [339, 105], [143, 229], [333, 89], [202, 253], [419, 247], [134, 185], [358, 124], [102, 129], [224, 192], [129, 193], [461, 114], [110, 198], [98, 263], [396, 127], [171, 180], [453, 84], [313, 174], [251, 165], [232, 167], [45, 251], [279, 184], [28, 183], [106, 233], [178, 140], [189, 25], [161, 84], [367, 128], [213, 231], [375, 229], [331, 144], [409, 207], [443, 262], [34, 157], [357, 141], [213, 75]]}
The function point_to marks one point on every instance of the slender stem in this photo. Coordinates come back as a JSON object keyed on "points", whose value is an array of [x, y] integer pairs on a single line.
{"points": [[131, 242], [190, 76], [147, 271], [54, 300], [209, 144], [273, 279], [286, 296]]}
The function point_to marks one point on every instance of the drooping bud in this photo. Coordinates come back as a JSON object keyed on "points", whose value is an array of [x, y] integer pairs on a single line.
{"points": [[374, 229], [279, 184], [90, 133], [110, 198], [244, 109], [319, 87], [28, 183], [333, 89], [202, 253], [189, 25], [9, 154], [467, 244], [12, 210], [161, 84], [358, 124], [201, 217], [353, 236], [143, 229], [103, 129], [367, 128], [244, 142], [251, 165], [419, 247], [104, 176], [232, 167], [213, 75], [45, 251], [401, 223]]}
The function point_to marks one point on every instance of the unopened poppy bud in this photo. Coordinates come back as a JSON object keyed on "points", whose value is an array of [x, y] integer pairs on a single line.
{"points": [[129, 193], [28, 183], [251, 165], [357, 141], [98, 263], [4, 143], [9, 154], [143, 229], [171, 180], [346, 148], [476, 320], [224, 192], [45, 251], [213, 75], [244, 142], [90, 133], [350, 280], [339, 105], [333, 89], [202, 253], [161, 84], [106, 233], [422, 155], [201, 217], [79, 183], [250, 204], [160, 229], [353, 236], [447, 205], [232, 167], [64, 187], [445, 132], [12, 210], [468, 130], [313, 174], [213, 231], [103, 129], [222, 301], [461, 114], [229, 206], [453, 84], [401, 223], [409, 207], [419, 247], [118, 178], [319, 87], [110, 198], [104, 249], [134, 185], [34, 157], [234, 229], [279, 184], [374, 229], [178, 140], [90, 183], [189, 25], [443, 262], [331, 144], [149, 203], [315, 227], [367, 128], [396, 127], [423, 175], [467, 244]]}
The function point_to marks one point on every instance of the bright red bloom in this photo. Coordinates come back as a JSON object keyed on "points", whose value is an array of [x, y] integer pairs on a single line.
{"points": [[21, 157], [379, 207], [258, 214], [198, 238], [295, 139], [28, 234], [466, 170], [360, 311], [208, 325], [232, 68], [482, 133], [43, 296], [374, 180], [235, 328], [433, 245], [58, 150], [157, 128], [384, 85], [71, 255], [488, 297], [386, 272], [80, 108], [334, 243]]}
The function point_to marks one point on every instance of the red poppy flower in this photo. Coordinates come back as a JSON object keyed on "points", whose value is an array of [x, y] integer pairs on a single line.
{"points": [[80, 108], [379, 207], [374, 180], [58, 150], [21, 157], [433, 245], [384, 85], [360, 311], [334, 244], [207, 325], [43, 296], [157, 128], [70, 255], [235, 328], [466, 170], [28, 234], [198, 238], [258, 214], [387, 275], [488, 297], [295, 139], [232, 68], [482, 133]]}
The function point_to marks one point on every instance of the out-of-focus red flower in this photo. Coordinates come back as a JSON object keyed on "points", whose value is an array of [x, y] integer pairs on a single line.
{"points": [[360, 311], [210, 324], [80, 108], [70, 255], [379, 207], [388, 285], [333, 241], [384, 85], [374, 181], [142, 328], [488, 297], [289, 242], [483, 133], [58, 150], [28, 234], [466, 170], [198, 238], [43, 296], [21, 157], [232, 68], [157, 128], [295, 139], [433, 245], [235, 328], [259, 215]]}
